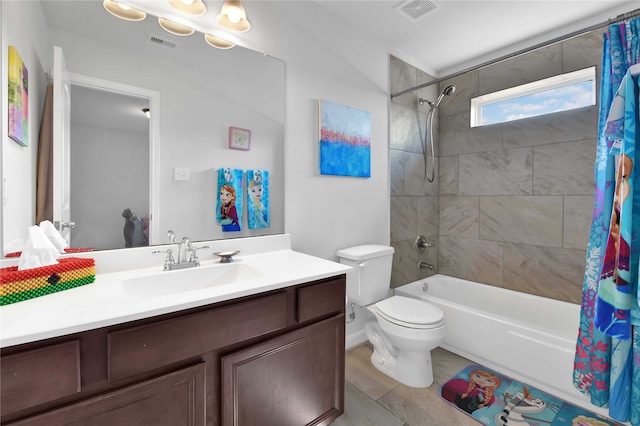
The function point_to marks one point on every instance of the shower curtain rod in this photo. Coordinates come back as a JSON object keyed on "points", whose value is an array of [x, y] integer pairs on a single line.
{"points": [[619, 18]]}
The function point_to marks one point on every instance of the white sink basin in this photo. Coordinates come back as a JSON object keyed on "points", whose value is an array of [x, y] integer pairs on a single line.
{"points": [[183, 280]]}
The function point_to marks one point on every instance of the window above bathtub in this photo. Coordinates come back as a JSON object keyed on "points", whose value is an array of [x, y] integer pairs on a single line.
{"points": [[562, 92]]}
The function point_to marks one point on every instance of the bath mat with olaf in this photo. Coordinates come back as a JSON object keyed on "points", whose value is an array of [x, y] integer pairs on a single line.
{"points": [[494, 399]]}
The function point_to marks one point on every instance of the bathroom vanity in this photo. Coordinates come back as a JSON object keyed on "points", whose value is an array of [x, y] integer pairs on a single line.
{"points": [[255, 352]]}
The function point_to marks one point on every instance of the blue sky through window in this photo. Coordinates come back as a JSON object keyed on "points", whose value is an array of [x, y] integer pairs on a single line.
{"points": [[576, 95]]}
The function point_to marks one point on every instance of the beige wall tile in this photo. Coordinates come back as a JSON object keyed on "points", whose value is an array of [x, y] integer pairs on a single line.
{"points": [[459, 216], [429, 93], [564, 168], [405, 128], [504, 172], [428, 216], [415, 182], [545, 271], [527, 220], [402, 76], [583, 51], [457, 138], [567, 126], [405, 261], [403, 218], [396, 172], [535, 195], [535, 65], [448, 175], [471, 259], [578, 211]]}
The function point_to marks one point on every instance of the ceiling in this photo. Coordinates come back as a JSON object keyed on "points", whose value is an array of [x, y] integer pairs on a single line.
{"points": [[456, 35], [453, 35]]}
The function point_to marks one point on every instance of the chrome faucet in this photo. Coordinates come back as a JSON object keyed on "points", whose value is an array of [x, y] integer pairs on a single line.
{"points": [[183, 248], [187, 254]]}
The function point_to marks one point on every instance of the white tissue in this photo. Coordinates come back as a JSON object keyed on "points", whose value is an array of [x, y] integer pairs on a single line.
{"points": [[52, 233], [14, 246], [38, 250]]}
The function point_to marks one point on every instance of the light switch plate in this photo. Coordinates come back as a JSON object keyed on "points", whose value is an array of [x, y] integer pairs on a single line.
{"points": [[180, 173]]}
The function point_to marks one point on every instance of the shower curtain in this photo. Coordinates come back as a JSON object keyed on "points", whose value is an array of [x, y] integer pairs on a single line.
{"points": [[607, 359]]}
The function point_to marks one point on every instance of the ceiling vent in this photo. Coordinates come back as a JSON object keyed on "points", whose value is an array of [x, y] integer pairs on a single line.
{"points": [[162, 42], [414, 10]]}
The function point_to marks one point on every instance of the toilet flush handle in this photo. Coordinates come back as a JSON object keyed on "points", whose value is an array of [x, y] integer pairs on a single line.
{"points": [[361, 265]]}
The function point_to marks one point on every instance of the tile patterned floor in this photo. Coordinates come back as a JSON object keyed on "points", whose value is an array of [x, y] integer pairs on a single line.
{"points": [[374, 399]]}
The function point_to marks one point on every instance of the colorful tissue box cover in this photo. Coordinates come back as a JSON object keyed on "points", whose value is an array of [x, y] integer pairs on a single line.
{"points": [[70, 272]]}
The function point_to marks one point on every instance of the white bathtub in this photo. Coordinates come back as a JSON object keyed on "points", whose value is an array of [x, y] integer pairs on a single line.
{"points": [[529, 338]]}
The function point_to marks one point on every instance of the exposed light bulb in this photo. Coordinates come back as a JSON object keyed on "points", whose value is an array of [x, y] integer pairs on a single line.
{"points": [[147, 112], [122, 6], [234, 17]]}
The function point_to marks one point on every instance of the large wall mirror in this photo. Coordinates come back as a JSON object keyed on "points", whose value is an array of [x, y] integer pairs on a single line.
{"points": [[118, 164]]}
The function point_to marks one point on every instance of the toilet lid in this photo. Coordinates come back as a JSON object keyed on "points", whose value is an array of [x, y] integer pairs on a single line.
{"points": [[412, 312]]}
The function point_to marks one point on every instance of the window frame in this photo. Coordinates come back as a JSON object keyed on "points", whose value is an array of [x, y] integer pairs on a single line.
{"points": [[538, 86]]}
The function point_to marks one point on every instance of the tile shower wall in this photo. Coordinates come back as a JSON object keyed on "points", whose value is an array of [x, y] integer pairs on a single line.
{"points": [[514, 200], [414, 200]]}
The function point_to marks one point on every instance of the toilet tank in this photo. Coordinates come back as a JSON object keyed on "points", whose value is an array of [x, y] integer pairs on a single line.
{"points": [[370, 279]]}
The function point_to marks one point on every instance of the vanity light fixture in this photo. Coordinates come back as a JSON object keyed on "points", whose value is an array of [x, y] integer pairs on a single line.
{"points": [[189, 7], [147, 112], [218, 42], [123, 11], [233, 17], [175, 28]]}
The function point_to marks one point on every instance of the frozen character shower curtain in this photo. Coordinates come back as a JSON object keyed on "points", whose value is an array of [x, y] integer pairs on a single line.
{"points": [[229, 199], [607, 359], [257, 199]]}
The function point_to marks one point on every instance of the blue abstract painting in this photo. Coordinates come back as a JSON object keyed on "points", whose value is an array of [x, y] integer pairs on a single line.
{"points": [[345, 140]]}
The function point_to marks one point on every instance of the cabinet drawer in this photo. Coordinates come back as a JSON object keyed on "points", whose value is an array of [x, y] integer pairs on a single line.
{"points": [[321, 299], [40, 375], [176, 398], [141, 349]]}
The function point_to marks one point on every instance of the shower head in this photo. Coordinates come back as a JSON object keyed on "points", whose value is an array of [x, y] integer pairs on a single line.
{"points": [[449, 90]]}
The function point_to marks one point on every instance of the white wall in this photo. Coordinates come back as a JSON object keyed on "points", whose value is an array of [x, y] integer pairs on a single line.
{"points": [[110, 173], [328, 60], [21, 27]]}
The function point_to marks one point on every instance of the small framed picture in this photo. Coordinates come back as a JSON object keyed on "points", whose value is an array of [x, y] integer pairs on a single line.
{"points": [[239, 138]]}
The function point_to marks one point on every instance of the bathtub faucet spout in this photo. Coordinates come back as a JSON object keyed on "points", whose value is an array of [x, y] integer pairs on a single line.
{"points": [[425, 265]]}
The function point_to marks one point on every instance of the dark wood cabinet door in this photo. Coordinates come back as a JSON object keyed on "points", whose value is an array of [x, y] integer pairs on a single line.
{"points": [[37, 376], [294, 379], [174, 399]]}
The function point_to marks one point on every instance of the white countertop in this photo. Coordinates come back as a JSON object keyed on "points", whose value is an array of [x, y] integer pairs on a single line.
{"points": [[103, 303]]}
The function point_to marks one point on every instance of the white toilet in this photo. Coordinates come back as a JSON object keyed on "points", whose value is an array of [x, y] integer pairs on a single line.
{"points": [[404, 330]]}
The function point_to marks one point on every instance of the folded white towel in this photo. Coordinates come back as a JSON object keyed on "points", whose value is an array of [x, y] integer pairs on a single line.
{"points": [[38, 250]]}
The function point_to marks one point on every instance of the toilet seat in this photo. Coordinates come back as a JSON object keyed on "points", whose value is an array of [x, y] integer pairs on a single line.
{"points": [[411, 313]]}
